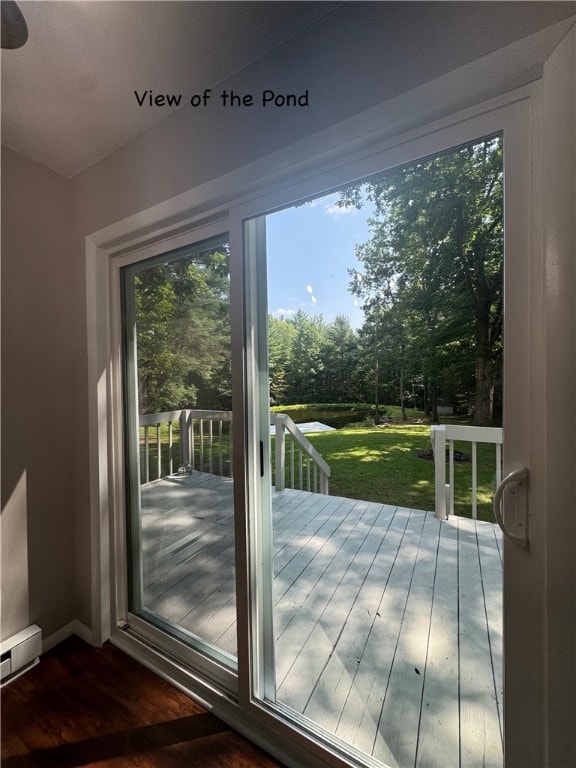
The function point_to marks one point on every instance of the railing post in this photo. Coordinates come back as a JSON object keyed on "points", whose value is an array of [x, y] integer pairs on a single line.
{"points": [[438, 437], [201, 441], [183, 437], [474, 481], [474, 435], [190, 446], [211, 447], [158, 452], [450, 487], [280, 452], [231, 448], [146, 456], [220, 453]]}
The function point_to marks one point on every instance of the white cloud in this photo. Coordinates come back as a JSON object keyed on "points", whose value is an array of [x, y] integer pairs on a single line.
{"points": [[337, 210], [309, 289], [282, 312], [313, 299]]}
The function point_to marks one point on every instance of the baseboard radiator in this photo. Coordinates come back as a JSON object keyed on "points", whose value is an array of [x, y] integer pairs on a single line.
{"points": [[20, 652]]}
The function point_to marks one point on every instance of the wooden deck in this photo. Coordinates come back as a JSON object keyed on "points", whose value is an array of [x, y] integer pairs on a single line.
{"points": [[387, 621]]}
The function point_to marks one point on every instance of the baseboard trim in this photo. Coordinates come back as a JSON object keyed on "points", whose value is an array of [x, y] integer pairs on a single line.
{"points": [[74, 627]]}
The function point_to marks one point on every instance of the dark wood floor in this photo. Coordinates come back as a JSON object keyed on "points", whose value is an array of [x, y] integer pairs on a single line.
{"points": [[96, 706]]}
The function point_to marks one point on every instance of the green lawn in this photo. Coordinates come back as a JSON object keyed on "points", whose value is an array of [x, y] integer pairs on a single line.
{"points": [[380, 464]]}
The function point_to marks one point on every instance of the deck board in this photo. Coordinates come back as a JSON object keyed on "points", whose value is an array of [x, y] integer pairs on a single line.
{"points": [[439, 737], [400, 716], [479, 722], [387, 622]]}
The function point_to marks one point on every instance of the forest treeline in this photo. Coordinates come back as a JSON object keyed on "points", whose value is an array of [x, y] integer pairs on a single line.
{"points": [[429, 280]]}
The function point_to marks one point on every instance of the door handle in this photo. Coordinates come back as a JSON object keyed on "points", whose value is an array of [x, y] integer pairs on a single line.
{"points": [[517, 484]]}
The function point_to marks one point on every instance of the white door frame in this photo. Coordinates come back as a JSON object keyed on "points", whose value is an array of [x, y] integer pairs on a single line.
{"points": [[541, 620], [512, 119]]}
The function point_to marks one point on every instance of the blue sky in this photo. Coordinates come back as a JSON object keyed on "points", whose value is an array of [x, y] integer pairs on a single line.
{"points": [[310, 249]]}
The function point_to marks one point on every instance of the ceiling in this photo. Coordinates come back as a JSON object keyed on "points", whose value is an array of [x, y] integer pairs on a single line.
{"points": [[68, 94]]}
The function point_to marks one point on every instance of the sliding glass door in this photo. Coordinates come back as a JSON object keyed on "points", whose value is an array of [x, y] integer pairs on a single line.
{"points": [[380, 303], [178, 426], [369, 631]]}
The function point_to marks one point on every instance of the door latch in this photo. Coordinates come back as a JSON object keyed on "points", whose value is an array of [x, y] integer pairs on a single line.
{"points": [[514, 519]]}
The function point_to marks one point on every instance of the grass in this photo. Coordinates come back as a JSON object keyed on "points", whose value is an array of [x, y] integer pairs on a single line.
{"points": [[380, 464]]}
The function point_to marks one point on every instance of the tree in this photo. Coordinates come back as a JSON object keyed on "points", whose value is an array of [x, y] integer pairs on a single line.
{"points": [[281, 336], [305, 365], [310, 360], [436, 249], [339, 353], [183, 332]]}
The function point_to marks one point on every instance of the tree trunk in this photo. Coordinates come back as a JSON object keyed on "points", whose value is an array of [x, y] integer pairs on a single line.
{"points": [[434, 418], [484, 381]]}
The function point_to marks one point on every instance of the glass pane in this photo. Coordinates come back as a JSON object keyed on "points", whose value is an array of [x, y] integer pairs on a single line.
{"points": [[179, 427], [385, 317]]}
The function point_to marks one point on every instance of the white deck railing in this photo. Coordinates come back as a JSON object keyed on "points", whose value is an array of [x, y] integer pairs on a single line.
{"points": [[444, 435], [204, 443], [306, 470]]}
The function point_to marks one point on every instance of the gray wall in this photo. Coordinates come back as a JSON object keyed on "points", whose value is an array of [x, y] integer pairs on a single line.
{"points": [[42, 363]]}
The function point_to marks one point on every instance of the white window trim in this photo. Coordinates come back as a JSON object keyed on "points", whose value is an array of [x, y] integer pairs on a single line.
{"points": [[391, 128]]}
